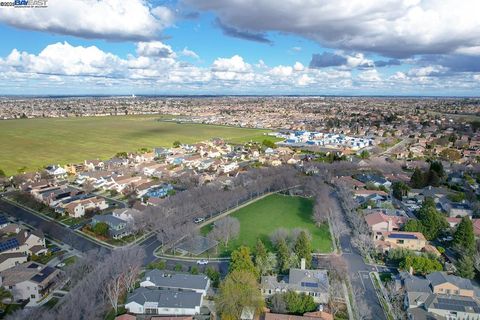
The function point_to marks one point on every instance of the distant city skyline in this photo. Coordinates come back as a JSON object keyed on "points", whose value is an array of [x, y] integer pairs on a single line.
{"points": [[216, 47]]}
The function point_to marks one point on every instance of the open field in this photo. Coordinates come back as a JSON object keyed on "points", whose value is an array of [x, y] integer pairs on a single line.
{"points": [[35, 143], [260, 219]]}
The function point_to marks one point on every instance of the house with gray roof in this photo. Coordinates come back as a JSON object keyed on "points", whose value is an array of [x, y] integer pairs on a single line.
{"points": [[164, 302], [311, 282], [440, 296], [176, 281], [117, 228]]}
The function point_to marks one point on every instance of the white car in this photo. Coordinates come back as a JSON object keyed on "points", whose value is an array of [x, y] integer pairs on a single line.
{"points": [[199, 220], [61, 265], [202, 262]]}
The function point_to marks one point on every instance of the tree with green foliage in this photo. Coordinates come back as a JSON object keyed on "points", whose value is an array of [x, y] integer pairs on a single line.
{"points": [[413, 225], [365, 154], [417, 180], [291, 302], [450, 155], [400, 189], [241, 260], [464, 237], [194, 270], [266, 262], [437, 167], [214, 276], [269, 143], [101, 229], [433, 178], [433, 222], [176, 144], [122, 155], [239, 290], [303, 248], [465, 267], [283, 256], [421, 264], [178, 268], [4, 296], [2, 173]]}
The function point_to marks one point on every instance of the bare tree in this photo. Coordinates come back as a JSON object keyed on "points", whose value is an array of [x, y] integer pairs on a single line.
{"points": [[114, 289], [88, 187], [226, 229], [278, 235]]}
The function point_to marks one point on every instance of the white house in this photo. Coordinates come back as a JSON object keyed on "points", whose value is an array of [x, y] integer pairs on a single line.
{"points": [[164, 302]]}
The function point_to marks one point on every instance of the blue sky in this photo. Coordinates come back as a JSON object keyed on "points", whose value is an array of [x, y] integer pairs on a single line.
{"points": [[397, 47]]}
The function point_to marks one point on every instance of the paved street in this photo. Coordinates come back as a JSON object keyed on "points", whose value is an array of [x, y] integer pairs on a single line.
{"points": [[52, 229], [359, 277], [71, 238]]}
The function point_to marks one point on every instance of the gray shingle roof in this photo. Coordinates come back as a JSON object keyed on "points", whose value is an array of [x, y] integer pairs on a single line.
{"points": [[437, 278], [165, 298], [165, 279]]}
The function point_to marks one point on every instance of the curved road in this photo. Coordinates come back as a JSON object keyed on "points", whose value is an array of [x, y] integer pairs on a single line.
{"points": [[72, 238]]}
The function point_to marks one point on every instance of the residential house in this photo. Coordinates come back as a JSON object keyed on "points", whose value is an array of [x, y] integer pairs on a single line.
{"points": [[374, 179], [30, 281], [93, 165], [311, 282], [117, 228], [78, 207], [10, 260], [163, 302], [24, 241], [440, 295], [56, 171], [379, 222], [386, 240], [126, 214], [175, 281]]}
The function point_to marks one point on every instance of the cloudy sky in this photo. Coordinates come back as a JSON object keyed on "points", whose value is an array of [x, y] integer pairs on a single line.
{"points": [[353, 47]]}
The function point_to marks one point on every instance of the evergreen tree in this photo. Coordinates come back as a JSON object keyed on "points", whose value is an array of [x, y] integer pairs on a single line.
{"points": [[303, 248], [400, 189], [413, 225], [241, 260], [465, 268], [283, 256], [464, 238], [417, 180], [437, 167], [433, 222], [260, 250]]}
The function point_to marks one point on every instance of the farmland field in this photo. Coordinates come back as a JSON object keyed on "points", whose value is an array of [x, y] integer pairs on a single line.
{"points": [[261, 218], [35, 143]]}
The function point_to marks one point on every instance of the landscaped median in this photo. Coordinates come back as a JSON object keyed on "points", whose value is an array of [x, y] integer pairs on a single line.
{"points": [[387, 309]]}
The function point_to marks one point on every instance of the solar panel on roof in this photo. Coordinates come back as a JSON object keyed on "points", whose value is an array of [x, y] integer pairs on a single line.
{"points": [[457, 302], [402, 236], [309, 284], [9, 244], [448, 307]]}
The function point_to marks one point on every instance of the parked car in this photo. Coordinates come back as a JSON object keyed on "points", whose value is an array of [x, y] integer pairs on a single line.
{"points": [[199, 220], [202, 262], [61, 265]]}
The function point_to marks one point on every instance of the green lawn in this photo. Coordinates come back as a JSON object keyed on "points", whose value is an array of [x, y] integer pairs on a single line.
{"points": [[260, 219], [34, 143]]}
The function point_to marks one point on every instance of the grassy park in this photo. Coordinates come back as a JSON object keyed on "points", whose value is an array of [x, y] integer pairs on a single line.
{"points": [[261, 218], [35, 143]]}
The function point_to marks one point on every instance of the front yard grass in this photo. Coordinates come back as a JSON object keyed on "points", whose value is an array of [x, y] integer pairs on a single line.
{"points": [[261, 218]]}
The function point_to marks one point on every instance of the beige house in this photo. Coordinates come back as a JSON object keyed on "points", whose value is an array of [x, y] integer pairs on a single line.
{"points": [[386, 240], [30, 281], [10, 260], [379, 222]]}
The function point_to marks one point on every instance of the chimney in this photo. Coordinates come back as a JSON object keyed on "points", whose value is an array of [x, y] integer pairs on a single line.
{"points": [[389, 225], [302, 264], [148, 279]]}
